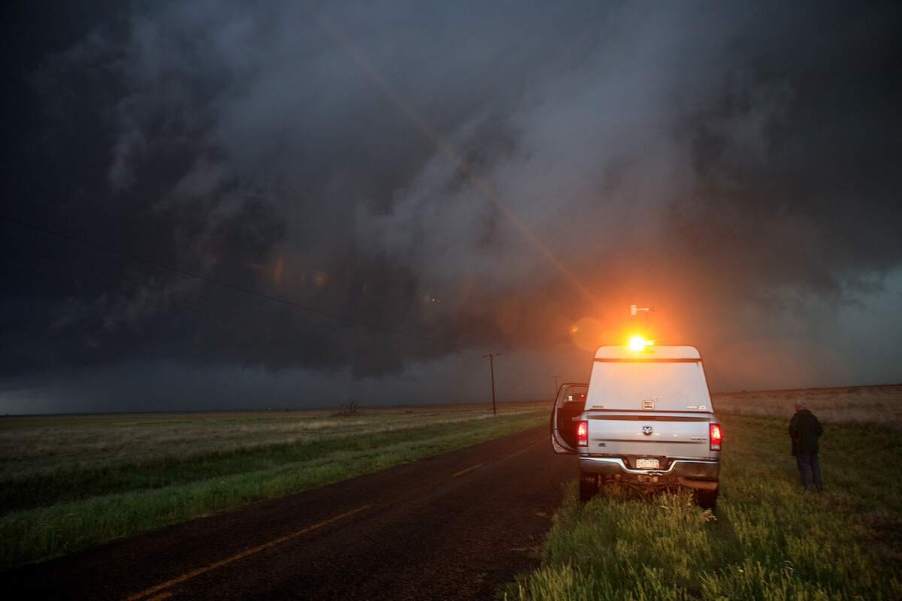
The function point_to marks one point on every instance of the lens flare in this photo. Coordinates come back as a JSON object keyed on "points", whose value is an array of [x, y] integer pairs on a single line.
{"points": [[587, 334]]}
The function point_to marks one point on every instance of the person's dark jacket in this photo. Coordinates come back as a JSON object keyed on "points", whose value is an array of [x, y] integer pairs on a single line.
{"points": [[804, 430]]}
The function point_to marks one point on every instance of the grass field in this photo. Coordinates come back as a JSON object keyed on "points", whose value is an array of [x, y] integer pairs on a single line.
{"points": [[768, 540], [851, 404], [71, 482]]}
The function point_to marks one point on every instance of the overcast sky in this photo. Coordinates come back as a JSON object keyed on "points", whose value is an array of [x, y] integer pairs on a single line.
{"points": [[225, 204]]}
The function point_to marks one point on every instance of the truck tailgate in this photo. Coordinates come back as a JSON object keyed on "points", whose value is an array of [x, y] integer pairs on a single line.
{"points": [[684, 436]]}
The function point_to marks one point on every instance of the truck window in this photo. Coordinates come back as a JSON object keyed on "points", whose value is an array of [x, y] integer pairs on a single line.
{"points": [[648, 385]]}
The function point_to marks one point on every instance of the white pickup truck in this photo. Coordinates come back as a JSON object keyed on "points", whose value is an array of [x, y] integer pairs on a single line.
{"points": [[645, 418]]}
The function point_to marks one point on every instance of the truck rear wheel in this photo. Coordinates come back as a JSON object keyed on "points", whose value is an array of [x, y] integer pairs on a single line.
{"points": [[707, 499], [588, 486]]}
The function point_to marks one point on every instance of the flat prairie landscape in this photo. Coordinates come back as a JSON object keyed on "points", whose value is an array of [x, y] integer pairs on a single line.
{"points": [[71, 482], [68, 483], [851, 404]]}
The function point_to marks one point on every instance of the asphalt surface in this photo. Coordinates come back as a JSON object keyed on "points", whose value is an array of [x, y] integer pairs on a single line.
{"points": [[454, 526]]}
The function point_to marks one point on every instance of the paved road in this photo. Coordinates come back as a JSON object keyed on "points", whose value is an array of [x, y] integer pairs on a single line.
{"points": [[449, 527]]}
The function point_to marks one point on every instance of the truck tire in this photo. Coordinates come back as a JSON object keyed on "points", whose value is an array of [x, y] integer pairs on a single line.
{"points": [[707, 499], [588, 486]]}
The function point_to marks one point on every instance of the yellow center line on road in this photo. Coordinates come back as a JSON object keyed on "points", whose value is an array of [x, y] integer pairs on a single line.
{"points": [[145, 594], [505, 458], [466, 471], [520, 452]]}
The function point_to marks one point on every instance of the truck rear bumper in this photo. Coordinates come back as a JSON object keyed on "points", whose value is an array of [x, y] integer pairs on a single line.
{"points": [[693, 473]]}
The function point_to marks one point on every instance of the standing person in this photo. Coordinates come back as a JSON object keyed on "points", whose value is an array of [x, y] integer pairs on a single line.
{"points": [[804, 431]]}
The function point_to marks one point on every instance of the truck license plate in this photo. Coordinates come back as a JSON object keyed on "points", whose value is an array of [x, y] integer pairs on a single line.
{"points": [[647, 464]]}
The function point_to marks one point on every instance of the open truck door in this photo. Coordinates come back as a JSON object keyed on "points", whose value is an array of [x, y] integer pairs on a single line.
{"points": [[569, 405]]}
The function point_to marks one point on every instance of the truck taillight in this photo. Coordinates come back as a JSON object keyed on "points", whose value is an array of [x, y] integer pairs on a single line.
{"points": [[716, 436], [582, 433]]}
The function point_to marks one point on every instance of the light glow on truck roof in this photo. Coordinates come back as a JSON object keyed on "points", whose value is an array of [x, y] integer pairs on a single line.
{"points": [[655, 353], [638, 343]]}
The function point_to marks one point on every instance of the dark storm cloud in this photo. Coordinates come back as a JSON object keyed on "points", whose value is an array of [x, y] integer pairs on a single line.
{"points": [[700, 156]]}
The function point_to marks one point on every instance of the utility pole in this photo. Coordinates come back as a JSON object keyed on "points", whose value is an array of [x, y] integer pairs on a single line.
{"points": [[491, 358]]}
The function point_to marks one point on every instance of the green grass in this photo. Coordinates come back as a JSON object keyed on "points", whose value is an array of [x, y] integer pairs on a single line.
{"points": [[767, 540], [67, 495]]}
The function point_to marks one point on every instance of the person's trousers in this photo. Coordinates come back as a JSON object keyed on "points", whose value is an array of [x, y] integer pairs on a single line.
{"points": [[810, 471]]}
